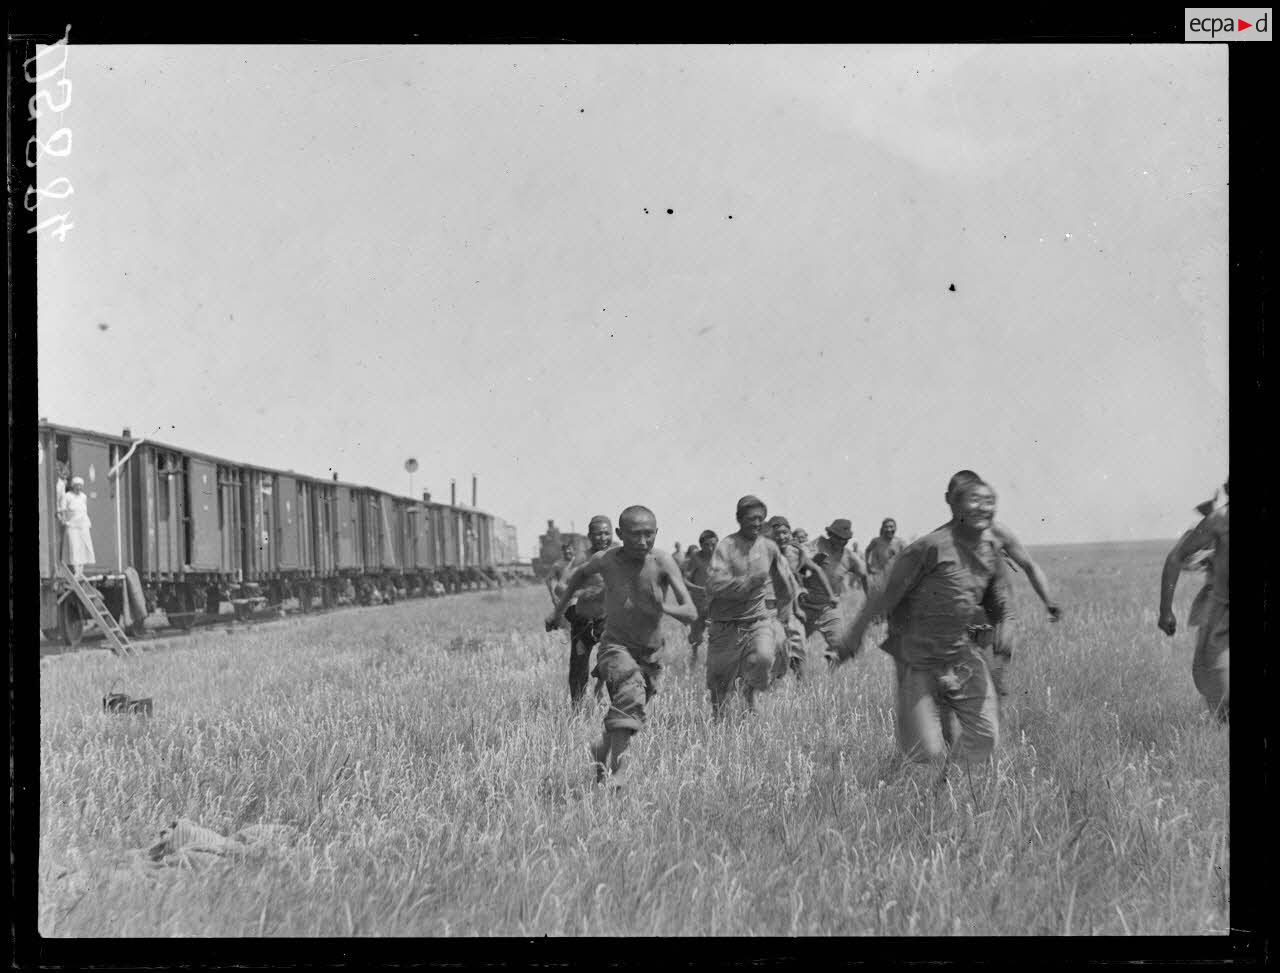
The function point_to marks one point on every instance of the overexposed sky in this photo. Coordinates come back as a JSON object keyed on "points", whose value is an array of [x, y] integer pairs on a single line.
{"points": [[338, 257]]}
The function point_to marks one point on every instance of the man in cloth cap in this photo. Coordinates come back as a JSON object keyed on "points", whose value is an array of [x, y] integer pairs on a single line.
{"points": [[636, 581], [1210, 666], [941, 594], [846, 575], [73, 513], [802, 568], [695, 570], [745, 638], [585, 614]]}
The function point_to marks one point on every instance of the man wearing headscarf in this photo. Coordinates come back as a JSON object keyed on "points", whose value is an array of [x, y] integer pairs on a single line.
{"points": [[1210, 667], [745, 638], [73, 512]]}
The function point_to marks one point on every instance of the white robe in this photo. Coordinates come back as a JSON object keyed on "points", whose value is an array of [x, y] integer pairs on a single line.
{"points": [[73, 511]]}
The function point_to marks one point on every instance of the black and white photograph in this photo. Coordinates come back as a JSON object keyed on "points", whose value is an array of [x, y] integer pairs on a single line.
{"points": [[627, 490]]}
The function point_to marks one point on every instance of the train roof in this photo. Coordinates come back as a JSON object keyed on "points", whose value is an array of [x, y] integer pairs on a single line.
{"points": [[58, 428]]}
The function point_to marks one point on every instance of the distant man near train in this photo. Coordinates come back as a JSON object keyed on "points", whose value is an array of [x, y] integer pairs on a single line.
{"points": [[941, 593], [1210, 666], [697, 565], [636, 580], [745, 639], [585, 613]]}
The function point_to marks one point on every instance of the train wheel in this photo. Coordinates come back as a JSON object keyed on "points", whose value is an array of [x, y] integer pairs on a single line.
{"points": [[70, 622], [326, 595], [305, 594], [183, 614], [52, 634]]}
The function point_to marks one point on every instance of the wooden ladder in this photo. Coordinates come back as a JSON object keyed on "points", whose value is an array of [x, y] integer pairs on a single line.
{"points": [[91, 600]]}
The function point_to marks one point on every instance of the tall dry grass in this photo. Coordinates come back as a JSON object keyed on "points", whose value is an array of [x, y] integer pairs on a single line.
{"points": [[439, 784]]}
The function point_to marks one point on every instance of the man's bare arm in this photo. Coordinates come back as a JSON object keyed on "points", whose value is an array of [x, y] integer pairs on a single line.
{"points": [[904, 574], [685, 610], [1194, 540], [807, 564], [1039, 582], [571, 585]]}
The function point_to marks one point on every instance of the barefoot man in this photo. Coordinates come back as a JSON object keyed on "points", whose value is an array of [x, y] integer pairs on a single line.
{"points": [[636, 581], [940, 593], [744, 642], [1210, 667]]}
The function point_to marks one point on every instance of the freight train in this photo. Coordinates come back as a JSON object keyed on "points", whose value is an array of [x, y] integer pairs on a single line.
{"points": [[183, 531]]}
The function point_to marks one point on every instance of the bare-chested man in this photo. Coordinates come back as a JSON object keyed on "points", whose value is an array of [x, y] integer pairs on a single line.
{"points": [[807, 573], [636, 581], [744, 641], [696, 568], [585, 613], [1210, 667], [940, 594]]}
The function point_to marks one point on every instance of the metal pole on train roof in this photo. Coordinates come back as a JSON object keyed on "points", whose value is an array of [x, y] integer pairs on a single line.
{"points": [[114, 472]]}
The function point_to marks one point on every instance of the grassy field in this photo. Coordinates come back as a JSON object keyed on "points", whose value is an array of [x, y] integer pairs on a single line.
{"points": [[437, 784]]}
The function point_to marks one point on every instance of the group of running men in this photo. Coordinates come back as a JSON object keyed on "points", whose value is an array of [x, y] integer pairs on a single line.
{"points": [[758, 594]]}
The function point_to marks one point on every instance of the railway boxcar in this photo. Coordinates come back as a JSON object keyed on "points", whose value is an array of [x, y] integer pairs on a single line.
{"points": [[67, 452], [196, 528]]}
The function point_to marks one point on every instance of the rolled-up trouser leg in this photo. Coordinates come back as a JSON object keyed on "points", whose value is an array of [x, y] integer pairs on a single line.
{"points": [[1210, 667], [630, 681]]}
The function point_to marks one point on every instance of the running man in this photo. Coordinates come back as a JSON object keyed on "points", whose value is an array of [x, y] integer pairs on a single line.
{"points": [[695, 570], [585, 613], [881, 552], [941, 591], [1001, 645], [840, 562], [744, 642], [636, 581], [806, 573], [1210, 667]]}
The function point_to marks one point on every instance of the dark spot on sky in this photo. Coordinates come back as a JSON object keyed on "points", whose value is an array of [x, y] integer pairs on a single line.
{"points": [[102, 325], [730, 216], [952, 287], [581, 110], [646, 209], [670, 211]]}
